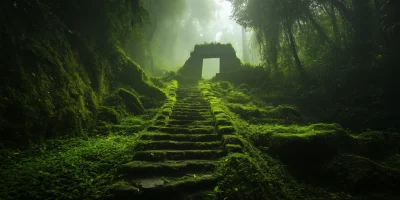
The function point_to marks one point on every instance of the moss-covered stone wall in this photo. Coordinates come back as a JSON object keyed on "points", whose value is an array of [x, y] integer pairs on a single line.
{"points": [[56, 74]]}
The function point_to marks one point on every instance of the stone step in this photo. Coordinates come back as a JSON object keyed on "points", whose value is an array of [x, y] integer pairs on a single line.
{"points": [[193, 108], [190, 96], [185, 100], [192, 111], [165, 187], [191, 104], [186, 93], [191, 117], [185, 130], [190, 126], [162, 155], [136, 169], [191, 122], [181, 137], [176, 145], [192, 101]]}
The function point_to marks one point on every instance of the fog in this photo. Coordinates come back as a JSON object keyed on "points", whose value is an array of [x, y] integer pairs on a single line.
{"points": [[190, 22]]}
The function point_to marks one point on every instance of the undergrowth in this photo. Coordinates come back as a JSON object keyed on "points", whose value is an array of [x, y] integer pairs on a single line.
{"points": [[64, 168], [319, 159]]}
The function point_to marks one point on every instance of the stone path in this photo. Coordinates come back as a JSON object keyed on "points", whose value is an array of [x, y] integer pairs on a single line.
{"points": [[176, 160]]}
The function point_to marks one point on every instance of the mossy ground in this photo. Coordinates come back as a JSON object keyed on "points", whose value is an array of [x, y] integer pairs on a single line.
{"points": [[64, 168], [320, 160], [73, 167]]}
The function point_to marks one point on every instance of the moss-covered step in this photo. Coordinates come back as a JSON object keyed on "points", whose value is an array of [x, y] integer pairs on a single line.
{"points": [[189, 95], [181, 137], [190, 117], [225, 129], [223, 122], [191, 112], [231, 139], [192, 122], [162, 155], [183, 130], [233, 148], [190, 126], [192, 106], [175, 145], [138, 169], [192, 103], [166, 187], [163, 187]]}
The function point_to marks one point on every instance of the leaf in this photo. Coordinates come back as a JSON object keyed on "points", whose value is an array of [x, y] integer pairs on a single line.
{"points": [[216, 189]]}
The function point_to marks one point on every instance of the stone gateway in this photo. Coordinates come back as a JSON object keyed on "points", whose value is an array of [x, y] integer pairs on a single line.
{"points": [[193, 67]]}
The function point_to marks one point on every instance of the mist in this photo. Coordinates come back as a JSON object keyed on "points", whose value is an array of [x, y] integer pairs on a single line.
{"points": [[176, 28]]}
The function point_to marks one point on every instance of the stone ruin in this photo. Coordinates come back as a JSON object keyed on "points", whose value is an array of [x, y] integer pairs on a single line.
{"points": [[193, 67]]}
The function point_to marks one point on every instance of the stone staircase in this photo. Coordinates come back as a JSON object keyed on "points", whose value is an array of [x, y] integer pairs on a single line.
{"points": [[176, 160]]}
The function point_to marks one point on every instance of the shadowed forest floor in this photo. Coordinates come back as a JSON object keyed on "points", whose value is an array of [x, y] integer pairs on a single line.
{"points": [[209, 141]]}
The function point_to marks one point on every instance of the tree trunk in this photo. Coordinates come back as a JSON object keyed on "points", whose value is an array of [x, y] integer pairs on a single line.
{"points": [[344, 10], [292, 43], [319, 29], [335, 25]]}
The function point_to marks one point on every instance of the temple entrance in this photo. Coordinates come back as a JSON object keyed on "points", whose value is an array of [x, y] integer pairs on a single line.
{"points": [[193, 67], [210, 67]]}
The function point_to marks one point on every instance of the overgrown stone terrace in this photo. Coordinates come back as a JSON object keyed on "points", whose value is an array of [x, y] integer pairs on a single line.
{"points": [[177, 157]]}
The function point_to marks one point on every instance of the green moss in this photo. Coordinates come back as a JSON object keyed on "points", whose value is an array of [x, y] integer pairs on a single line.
{"points": [[221, 87], [231, 139], [233, 148], [238, 97], [302, 148], [376, 145], [246, 89], [166, 111], [255, 185], [123, 189], [245, 111], [131, 101], [130, 74], [226, 129], [363, 176], [106, 114], [68, 168]]}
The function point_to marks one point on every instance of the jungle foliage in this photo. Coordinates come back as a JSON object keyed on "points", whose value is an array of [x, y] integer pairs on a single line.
{"points": [[64, 69], [316, 160], [336, 59]]}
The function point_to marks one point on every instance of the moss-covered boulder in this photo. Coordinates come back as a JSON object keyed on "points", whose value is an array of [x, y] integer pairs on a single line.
{"points": [[243, 178], [362, 176], [108, 115], [132, 75], [131, 101], [304, 149]]}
